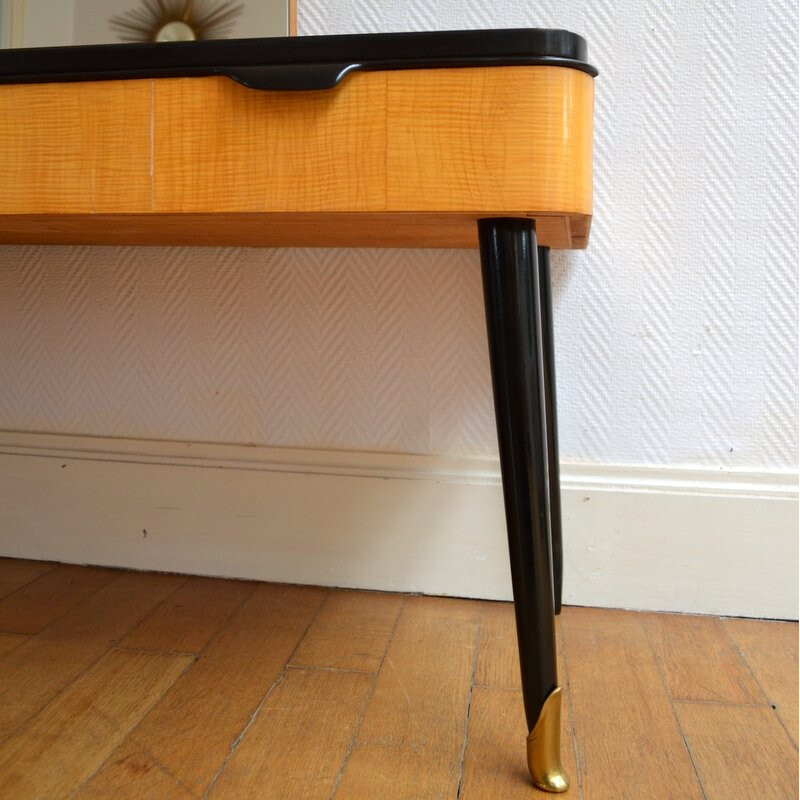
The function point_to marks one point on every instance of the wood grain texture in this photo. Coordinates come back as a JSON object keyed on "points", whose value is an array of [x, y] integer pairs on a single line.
{"points": [[511, 140], [410, 742], [351, 631], [63, 744], [297, 743], [498, 653], [406, 140], [507, 137], [221, 147], [82, 148], [330, 229], [771, 649], [242, 721], [741, 753], [189, 617], [190, 731], [11, 641], [621, 709], [50, 596], [16, 573], [130, 773], [37, 670], [699, 660]]}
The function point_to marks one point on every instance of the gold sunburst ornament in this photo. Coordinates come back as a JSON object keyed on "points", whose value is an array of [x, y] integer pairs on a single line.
{"points": [[176, 20]]}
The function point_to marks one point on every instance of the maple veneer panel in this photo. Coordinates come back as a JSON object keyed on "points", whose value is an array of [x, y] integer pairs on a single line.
{"points": [[466, 142], [494, 139], [75, 147], [407, 140], [222, 147]]}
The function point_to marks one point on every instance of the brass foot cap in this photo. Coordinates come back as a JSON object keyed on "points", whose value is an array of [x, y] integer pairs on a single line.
{"points": [[544, 747]]}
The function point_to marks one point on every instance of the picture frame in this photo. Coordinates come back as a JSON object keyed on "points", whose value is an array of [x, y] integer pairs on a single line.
{"points": [[52, 23]]}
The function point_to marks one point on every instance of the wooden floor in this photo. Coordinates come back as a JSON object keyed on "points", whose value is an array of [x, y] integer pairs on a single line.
{"points": [[136, 685]]}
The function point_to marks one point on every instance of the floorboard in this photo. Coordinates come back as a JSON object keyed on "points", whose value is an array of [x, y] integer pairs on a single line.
{"points": [[139, 685], [297, 744], [11, 641], [410, 743], [741, 752], [188, 619], [629, 743], [34, 606], [16, 573], [770, 649], [350, 632], [131, 773], [498, 656], [700, 661], [191, 730], [60, 747], [36, 671]]}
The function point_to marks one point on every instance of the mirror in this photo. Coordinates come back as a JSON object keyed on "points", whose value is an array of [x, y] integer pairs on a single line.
{"points": [[52, 23]]}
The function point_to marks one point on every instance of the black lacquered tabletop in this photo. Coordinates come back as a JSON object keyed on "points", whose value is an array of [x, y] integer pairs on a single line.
{"points": [[296, 62]]}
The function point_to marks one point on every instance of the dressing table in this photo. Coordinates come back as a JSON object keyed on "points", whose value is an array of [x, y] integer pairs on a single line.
{"points": [[445, 139]]}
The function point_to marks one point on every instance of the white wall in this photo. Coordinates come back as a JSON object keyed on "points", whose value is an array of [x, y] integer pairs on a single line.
{"points": [[676, 331], [46, 23], [697, 541]]}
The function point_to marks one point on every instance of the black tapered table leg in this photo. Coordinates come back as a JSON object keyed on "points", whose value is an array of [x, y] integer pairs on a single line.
{"points": [[551, 421], [512, 294]]}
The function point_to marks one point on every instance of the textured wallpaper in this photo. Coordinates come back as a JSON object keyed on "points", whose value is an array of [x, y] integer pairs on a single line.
{"points": [[676, 331]]}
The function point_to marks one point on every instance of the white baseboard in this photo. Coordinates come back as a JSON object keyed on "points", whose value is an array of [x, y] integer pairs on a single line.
{"points": [[688, 540]]}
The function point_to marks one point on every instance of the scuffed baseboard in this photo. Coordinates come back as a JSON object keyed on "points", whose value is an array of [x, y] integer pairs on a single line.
{"points": [[690, 540]]}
